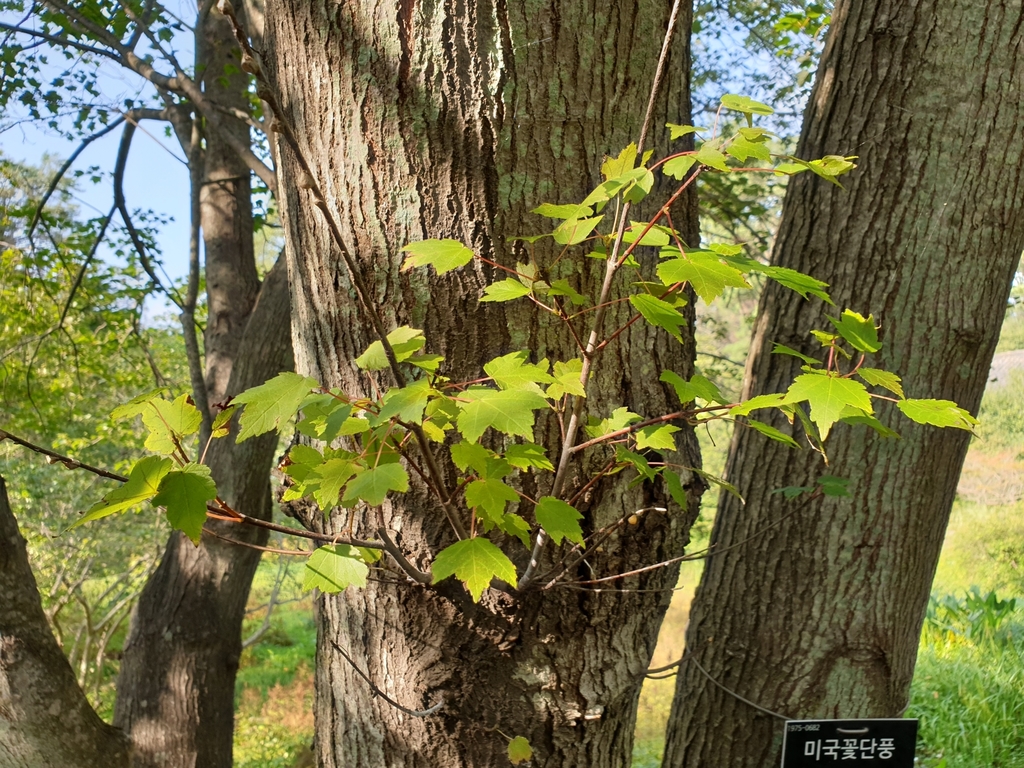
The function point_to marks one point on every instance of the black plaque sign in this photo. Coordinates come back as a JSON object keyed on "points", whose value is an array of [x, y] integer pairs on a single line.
{"points": [[885, 743]]}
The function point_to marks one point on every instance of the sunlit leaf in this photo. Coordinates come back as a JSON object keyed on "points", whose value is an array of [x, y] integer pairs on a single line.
{"points": [[184, 492], [270, 405], [443, 255], [474, 562], [559, 519], [334, 568]]}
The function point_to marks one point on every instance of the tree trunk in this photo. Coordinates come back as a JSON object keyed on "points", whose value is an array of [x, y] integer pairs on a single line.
{"points": [[453, 121], [177, 681], [820, 616], [45, 719]]}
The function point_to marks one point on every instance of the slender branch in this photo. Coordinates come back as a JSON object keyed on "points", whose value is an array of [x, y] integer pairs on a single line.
{"points": [[378, 692], [58, 458], [62, 42], [403, 562], [122, 207], [188, 309], [52, 187], [257, 547]]}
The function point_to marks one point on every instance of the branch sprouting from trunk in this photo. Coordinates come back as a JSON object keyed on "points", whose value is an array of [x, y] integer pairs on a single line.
{"points": [[378, 692]]}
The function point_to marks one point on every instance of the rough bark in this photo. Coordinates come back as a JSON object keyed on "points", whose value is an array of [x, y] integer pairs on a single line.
{"points": [[453, 120], [820, 616], [177, 680], [45, 719]]}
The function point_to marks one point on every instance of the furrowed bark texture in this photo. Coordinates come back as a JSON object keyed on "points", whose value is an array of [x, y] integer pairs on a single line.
{"points": [[177, 680], [453, 120], [820, 616], [45, 719]]}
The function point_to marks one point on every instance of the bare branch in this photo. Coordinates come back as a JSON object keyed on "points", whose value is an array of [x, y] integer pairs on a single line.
{"points": [[378, 692]]}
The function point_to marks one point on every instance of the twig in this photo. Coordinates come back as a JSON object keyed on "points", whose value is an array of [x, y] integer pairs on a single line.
{"points": [[392, 549], [57, 458], [378, 692]]}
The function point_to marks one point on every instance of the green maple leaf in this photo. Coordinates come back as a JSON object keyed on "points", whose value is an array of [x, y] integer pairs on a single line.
{"points": [[769, 431], [404, 341], [704, 271], [638, 462], [142, 484], [406, 403], [326, 480], [574, 231], [657, 437], [659, 313], [519, 750], [168, 422], [760, 401], [271, 405], [184, 492], [620, 419], [221, 424], [559, 520], [374, 484], [512, 371], [334, 568], [827, 396], [136, 406], [938, 413], [508, 411], [657, 236], [528, 455], [782, 349], [859, 331], [562, 288], [612, 168], [797, 281], [490, 496], [677, 131], [711, 157], [474, 562], [514, 525], [745, 105], [741, 148], [505, 290], [678, 167], [563, 212], [443, 255], [879, 378], [567, 380]]}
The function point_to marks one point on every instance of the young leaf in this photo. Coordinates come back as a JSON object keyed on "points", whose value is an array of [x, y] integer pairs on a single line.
{"points": [[334, 568], [222, 423], [620, 418], [567, 380], [563, 211], [657, 437], [519, 750], [326, 480], [142, 484], [678, 167], [491, 496], [711, 157], [406, 403], [745, 105], [559, 520], [859, 331], [574, 231], [444, 255], [323, 417], [856, 417], [466, 455], [704, 271], [474, 562], [405, 342], [184, 492], [659, 313], [678, 131], [760, 401], [509, 411], [373, 485], [879, 378], [614, 167], [834, 486], [136, 406], [657, 236], [514, 525], [635, 460], [782, 349], [526, 456], [505, 290], [675, 487], [769, 431], [797, 281], [828, 395], [168, 422], [562, 288], [270, 405], [512, 371], [741, 148], [938, 413]]}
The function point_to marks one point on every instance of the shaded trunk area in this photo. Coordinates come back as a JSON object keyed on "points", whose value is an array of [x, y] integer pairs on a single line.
{"points": [[45, 719], [820, 615], [453, 121]]}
